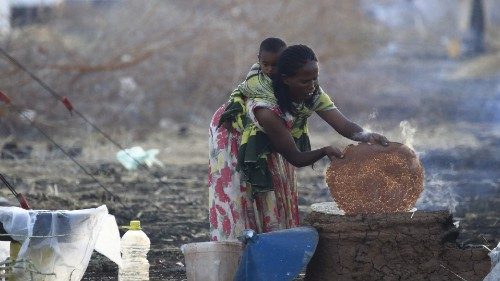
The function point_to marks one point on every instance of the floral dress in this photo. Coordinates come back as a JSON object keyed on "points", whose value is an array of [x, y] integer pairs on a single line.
{"points": [[232, 206], [250, 185]]}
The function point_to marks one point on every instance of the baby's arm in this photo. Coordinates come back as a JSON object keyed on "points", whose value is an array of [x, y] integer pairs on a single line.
{"points": [[235, 113]]}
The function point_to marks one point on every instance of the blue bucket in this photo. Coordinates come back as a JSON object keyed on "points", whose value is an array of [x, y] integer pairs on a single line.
{"points": [[279, 255]]}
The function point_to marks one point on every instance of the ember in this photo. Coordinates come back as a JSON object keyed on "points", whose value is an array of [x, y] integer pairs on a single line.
{"points": [[376, 179]]}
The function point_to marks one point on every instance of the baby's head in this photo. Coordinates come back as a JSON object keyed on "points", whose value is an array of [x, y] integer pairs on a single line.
{"points": [[269, 51]]}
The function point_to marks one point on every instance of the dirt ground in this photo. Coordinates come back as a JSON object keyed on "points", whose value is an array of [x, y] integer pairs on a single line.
{"points": [[174, 211]]}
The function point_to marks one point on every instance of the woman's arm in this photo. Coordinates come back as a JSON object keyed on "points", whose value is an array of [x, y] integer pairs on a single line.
{"points": [[349, 129], [283, 143]]}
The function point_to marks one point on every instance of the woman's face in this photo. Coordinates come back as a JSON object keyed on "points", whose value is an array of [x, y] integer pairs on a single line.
{"points": [[303, 83]]}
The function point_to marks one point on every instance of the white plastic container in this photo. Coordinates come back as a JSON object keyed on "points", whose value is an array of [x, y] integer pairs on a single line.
{"points": [[134, 247], [212, 261]]}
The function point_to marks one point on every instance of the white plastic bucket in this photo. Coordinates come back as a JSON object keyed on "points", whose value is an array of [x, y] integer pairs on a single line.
{"points": [[212, 261]]}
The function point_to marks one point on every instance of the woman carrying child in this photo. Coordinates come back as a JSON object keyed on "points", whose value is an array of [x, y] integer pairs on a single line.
{"points": [[252, 183]]}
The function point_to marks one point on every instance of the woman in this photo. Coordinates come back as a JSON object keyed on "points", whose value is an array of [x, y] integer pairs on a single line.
{"points": [[252, 173]]}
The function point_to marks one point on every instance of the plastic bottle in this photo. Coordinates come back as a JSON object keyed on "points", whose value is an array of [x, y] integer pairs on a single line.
{"points": [[134, 247]]}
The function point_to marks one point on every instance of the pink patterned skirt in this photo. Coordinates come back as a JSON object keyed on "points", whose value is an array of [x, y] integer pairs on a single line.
{"points": [[231, 206]]}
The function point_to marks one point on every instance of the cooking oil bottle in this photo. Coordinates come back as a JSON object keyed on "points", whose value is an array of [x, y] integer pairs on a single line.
{"points": [[134, 247]]}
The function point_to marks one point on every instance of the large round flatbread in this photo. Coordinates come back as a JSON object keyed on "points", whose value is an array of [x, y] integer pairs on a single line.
{"points": [[376, 179]]}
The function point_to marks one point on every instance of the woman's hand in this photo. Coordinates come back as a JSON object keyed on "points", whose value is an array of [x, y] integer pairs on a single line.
{"points": [[349, 129], [370, 137], [332, 152], [378, 138], [283, 142]]}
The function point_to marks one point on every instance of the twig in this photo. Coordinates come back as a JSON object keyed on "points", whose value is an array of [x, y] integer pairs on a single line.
{"points": [[484, 246], [453, 272]]}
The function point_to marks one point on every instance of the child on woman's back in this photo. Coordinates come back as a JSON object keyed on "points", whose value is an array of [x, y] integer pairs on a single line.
{"points": [[259, 76]]}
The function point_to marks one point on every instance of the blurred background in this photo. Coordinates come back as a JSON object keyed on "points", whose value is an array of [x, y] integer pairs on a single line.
{"points": [[138, 66], [153, 72]]}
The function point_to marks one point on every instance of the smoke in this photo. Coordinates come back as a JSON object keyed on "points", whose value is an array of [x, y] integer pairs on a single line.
{"points": [[438, 195], [373, 115], [408, 132], [496, 105]]}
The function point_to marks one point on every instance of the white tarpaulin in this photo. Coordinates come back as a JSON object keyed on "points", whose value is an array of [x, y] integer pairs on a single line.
{"points": [[57, 245], [494, 274]]}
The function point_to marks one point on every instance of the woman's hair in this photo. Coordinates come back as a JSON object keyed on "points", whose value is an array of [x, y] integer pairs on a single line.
{"points": [[290, 61]]}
